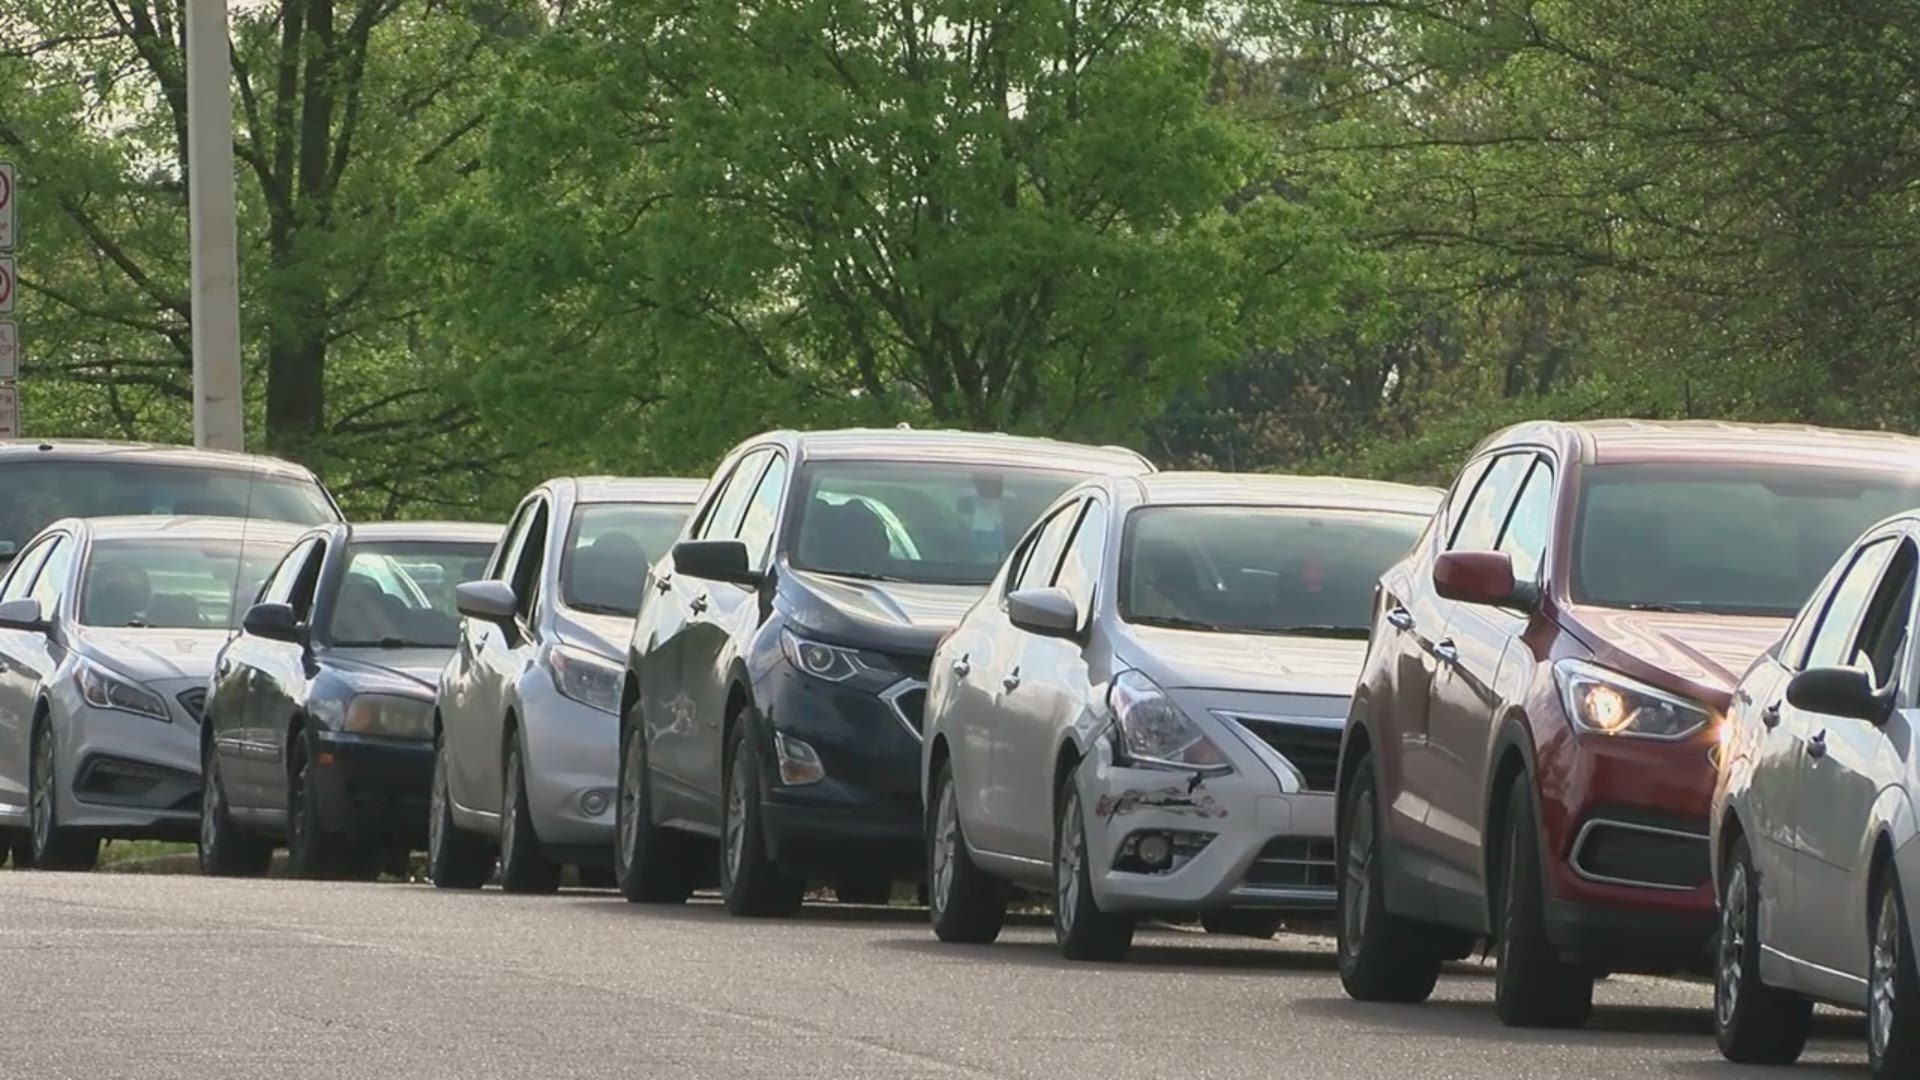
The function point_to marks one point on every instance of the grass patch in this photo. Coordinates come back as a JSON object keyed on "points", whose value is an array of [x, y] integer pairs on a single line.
{"points": [[119, 851]]}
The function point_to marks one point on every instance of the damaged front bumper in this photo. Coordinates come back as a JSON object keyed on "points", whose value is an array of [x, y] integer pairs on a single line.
{"points": [[1240, 840]]}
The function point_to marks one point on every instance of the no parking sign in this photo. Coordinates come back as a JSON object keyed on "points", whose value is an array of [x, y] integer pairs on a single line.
{"points": [[9, 218], [8, 285]]}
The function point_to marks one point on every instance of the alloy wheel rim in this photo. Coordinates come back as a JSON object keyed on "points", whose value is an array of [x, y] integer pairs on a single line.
{"points": [[510, 808], [436, 828], [629, 805], [1067, 887], [736, 817], [1733, 947], [1883, 980], [946, 836], [43, 793], [209, 806], [1359, 891]]}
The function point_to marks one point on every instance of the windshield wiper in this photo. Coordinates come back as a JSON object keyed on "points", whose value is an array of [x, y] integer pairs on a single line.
{"points": [[591, 608], [1652, 605], [391, 643], [1176, 622], [861, 575], [138, 623], [1345, 633]]}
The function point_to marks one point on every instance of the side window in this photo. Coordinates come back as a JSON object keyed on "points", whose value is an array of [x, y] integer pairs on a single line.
{"points": [[1463, 489], [722, 518], [763, 512], [529, 562], [1528, 526], [20, 578], [53, 574], [1486, 511], [1080, 569], [1834, 637], [1043, 554], [278, 588], [1884, 640], [306, 580], [510, 541]]}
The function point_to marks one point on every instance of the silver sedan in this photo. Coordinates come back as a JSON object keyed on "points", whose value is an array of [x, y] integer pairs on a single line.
{"points": [[1144, 713]]}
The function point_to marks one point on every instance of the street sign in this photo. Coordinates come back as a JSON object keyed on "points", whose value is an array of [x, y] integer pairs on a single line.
{"points": [[9, 350], [9, 215], [8, 285], [9, 411]]}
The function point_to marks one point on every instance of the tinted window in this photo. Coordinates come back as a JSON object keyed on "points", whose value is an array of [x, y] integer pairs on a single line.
{"points": [[53, 574], [763, 512], [176, 584], [608, 554], [528, 564], [723, 518], [1885, 639], [20, 575], [1731, 539], [1486, 511], [1080, 570], [278, 588], [34, 494], [1530, 523], [401, 593], [1039, 560], [1461, 493], [930, 522], [1834, 637], [1259, 570]]}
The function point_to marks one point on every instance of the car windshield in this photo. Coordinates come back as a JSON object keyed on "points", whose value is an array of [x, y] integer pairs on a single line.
{"points": [[1725, 539], [1259, 570], [400, 594], [608, 553], [35, 493], [173, 584], [925, 522]]}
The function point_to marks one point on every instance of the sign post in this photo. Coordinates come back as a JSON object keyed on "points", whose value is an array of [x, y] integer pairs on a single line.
{"points": [[9, 292]]}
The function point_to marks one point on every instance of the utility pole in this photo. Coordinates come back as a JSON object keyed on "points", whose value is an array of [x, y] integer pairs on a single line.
{"points": [[218, 407]]}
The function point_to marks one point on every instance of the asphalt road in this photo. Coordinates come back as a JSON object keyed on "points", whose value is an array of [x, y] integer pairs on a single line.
{"points": [[111, 975]]}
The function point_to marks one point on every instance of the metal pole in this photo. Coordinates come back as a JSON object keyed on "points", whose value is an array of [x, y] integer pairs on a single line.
{"points": [[218, 416]]}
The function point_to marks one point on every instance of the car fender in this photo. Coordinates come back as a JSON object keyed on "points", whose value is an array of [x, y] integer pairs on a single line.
{"points": [[1513, 733]]}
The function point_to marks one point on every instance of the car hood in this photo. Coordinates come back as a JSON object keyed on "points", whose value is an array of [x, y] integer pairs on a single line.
{"points": [[154, 655], [602, 635], [1260, 663], [1707, 654], [891, 616], [372, 669]]}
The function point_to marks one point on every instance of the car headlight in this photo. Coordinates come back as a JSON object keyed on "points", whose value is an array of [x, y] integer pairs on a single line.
{"points": [[1155, 732], [102, 689], [585, 678], [838, 664], [390, 714], [1606, 702]]}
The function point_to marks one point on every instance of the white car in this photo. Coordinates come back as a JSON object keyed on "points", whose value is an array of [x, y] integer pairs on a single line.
{"points": [[1814, 828], [1143, 715]]}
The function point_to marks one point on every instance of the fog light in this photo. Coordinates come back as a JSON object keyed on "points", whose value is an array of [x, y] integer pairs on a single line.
{"points": [[1159, 851], [595, 802], [799, 763], [1156, 851]]}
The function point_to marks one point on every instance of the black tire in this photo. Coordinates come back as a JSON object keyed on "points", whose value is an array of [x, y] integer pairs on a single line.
{"points": [[1382, 957], [651, 865], [1755, 1024], [750, 882], [456, 858], [313, 853], [225, 849], [1080, 928], [1893, 985], [1250, 924], [524, 866], [52, 845], [968, 906], [1532, 986]]}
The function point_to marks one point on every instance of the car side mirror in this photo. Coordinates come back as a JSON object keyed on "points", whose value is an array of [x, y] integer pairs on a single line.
{"points": [[715, 560], [1047, 612], [1835, 691], [22, 614], [274, 622], [489, 601], [1482, 577]]}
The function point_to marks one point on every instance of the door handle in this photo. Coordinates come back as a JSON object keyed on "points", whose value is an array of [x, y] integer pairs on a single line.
{"points": [[663, 584], [1012, 681], [1817, 746], [962, 667], [226, 666], [1770, 715], [1400, 618], [1447, 652], [698, 604]]}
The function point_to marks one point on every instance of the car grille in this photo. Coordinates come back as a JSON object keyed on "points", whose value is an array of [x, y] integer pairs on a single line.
{"points": [[1293, 863], [194, 701], [1629, 854], [1311, 749]]}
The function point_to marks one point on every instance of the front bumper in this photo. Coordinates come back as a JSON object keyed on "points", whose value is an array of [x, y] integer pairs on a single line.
{"points": [[128, 776], [573, 766], [865, 815], [373, 786]]}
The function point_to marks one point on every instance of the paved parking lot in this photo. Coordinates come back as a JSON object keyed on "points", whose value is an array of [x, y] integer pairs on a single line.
{"points": [[159, 977]]}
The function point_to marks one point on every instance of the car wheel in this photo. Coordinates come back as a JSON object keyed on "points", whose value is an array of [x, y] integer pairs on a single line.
{"points": [[312, 852], [1081, 929], [53, 845], [1893, 986], [651, 865], [225, 850], [1252, 924], [1755, 1024], [968, 905], [863, 889], [1382, 957], [1532, 986], [456, 858], [750, 883], [524, 866]]}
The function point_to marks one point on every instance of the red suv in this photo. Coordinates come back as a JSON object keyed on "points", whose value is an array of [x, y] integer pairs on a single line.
{"points": [[1530, 752]]}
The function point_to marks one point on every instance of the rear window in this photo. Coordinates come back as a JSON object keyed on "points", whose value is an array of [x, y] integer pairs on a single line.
{"points": [[608, 554], [34, 494], [173, 584], [400, 594]]}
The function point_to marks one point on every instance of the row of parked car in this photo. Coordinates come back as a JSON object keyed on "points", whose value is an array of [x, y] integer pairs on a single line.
{"points": [[1608, 703]]}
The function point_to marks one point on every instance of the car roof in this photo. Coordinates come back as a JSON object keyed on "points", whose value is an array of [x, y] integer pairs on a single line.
{"points": [[1262, 489], [145, 453], [161, 526], [661, 489], [972, 447], [427, 531], [1719, 441]]}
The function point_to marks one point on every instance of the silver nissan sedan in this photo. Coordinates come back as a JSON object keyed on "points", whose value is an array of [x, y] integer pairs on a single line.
{"points": [[1143, 715]]}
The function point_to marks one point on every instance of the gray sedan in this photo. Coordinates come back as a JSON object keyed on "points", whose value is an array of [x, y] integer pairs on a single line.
{"points": [[108, 632], [1144, 713]]}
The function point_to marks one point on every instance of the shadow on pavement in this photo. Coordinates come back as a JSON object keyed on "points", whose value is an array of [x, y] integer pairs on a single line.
{"points": [[1156, 955]]}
